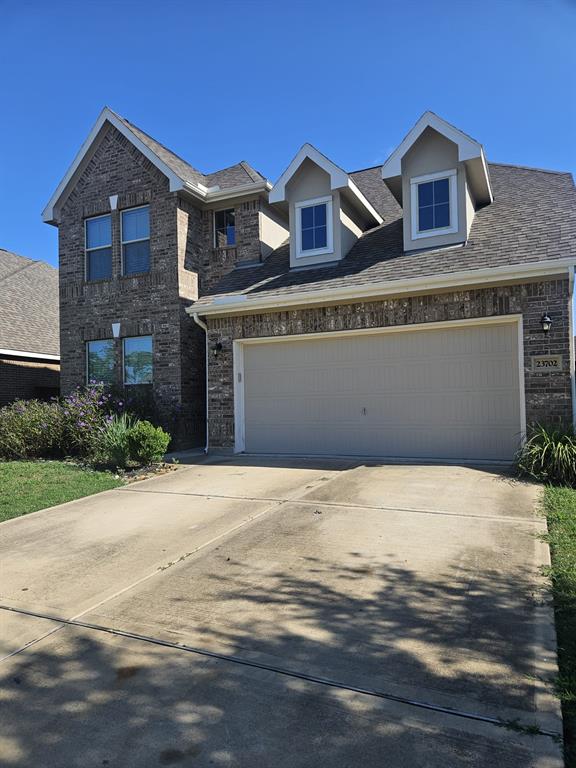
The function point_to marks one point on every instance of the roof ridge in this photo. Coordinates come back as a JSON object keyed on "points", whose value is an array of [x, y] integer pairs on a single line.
{"points": [[22, 268], [531, 168]]}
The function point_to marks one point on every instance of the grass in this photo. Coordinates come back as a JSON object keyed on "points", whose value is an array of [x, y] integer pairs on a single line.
{"points": [[560, 509], [26, 486]]}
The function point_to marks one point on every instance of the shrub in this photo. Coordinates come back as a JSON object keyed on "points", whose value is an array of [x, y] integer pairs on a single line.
{"points": [[31, 429], [147, 443], [86, 414], [549, 454], [112, 444]]}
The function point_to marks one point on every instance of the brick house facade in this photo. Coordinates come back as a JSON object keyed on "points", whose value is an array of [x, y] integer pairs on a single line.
{"points": [[514, 251]]}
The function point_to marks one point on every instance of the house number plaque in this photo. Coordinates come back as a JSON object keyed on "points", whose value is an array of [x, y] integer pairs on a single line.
{"points": [[544, 363]]}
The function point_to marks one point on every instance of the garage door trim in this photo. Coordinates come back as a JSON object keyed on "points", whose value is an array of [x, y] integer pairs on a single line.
{"points": [[239, 345]]}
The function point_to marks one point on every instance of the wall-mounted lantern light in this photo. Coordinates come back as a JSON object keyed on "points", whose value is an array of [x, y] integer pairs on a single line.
{"points": [[216, 348], [116, 330], [546, 322]]}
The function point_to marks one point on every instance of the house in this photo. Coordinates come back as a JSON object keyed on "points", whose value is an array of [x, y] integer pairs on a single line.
{"points": [[419, 309], [29, 347]]}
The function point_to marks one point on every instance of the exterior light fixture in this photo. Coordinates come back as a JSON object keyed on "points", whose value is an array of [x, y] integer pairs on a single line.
{"points": [[546, 322], [216, 348], [116, 330]]}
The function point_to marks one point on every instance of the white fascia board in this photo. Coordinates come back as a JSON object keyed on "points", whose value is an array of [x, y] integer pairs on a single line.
{"points": [[390, 287], [468, 148], [35, 355], [364, 202], [175, 181], [338, 177]]}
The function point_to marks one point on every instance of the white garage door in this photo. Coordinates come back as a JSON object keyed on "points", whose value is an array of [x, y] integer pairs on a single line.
{"points": [[448, 393]]}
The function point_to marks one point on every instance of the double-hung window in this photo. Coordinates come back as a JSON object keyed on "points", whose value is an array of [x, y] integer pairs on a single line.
{"points": [[136, 240], [314, 227], [138, 360], [434, 204], [224, 228], [98, 243], [100, 361]]}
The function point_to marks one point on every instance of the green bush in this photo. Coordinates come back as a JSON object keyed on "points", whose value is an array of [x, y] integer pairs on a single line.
{"points": [[549, 455], [148, 443], [112, 445], [31, 429]]}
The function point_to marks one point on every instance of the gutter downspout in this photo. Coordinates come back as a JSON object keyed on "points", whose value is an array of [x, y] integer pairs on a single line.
{"points": [[571, 356], [205, 329]]}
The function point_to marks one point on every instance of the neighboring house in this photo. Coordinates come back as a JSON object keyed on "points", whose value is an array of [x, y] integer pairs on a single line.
{"points": [[398, 311], [29, 346]]}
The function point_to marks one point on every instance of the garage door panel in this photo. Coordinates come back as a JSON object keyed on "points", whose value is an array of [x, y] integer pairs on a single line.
{"points": [[446, 393]]}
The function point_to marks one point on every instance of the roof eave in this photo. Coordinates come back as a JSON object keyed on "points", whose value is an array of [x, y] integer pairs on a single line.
{"points": [[232, 304]]}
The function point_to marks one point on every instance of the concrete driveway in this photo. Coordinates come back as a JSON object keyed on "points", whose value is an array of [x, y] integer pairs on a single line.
{"points": [[281, 613]]}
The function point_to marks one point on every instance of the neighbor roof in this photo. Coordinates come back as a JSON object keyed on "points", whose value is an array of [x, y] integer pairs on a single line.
{"points": [[532, 219], [180, 174], [28, 306]]}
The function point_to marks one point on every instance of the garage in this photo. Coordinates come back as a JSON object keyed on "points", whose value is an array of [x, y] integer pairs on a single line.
{"points": [[435, 391]]}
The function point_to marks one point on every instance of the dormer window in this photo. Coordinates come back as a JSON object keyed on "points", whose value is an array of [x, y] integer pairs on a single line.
{"points": [[314, 227], [434, 204]]}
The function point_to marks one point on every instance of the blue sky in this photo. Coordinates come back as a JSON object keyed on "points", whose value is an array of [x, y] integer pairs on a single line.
{"points": [[218, 82]]}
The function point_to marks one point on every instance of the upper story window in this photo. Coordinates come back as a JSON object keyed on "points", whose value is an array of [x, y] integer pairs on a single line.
{"points": [[100, 361], [136, 240], [224, 228], [138, 360], [434, 203], [98, 243], [314, 227]]}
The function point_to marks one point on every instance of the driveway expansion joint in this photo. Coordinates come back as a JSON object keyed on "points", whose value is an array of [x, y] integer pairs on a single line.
{"points": [[531, 729]]}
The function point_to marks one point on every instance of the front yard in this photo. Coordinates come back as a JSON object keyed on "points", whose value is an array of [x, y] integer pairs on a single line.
{"points": [[26, 486], [560, 509]]}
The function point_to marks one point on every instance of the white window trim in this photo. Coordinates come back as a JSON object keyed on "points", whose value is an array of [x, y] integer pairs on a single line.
{"points": [[300, 254], [99, 248], [138, 240], [214, 212], [452, 176], [87, 348], [132, 384]]}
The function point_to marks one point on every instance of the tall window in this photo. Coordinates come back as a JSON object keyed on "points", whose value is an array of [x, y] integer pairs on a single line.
{"points": [[434, 200], [138, 360], [136, 240], [100, 362], [98, 241], [224, 228], [314, 227]]}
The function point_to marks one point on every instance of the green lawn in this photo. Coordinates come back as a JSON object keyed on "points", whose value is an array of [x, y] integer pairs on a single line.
{"points": [[560, 508], [26, 486]]}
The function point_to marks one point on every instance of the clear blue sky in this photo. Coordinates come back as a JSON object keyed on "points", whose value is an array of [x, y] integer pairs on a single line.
{"points": [[218, 82]]}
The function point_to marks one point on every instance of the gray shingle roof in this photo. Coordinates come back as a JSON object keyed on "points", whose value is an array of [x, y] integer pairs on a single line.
{"points": [[532, 218], [241, 173], [28, 305]]}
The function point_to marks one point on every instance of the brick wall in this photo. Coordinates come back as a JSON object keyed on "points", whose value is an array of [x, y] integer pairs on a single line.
{"points": [[24, 380], [147, 304], [548, 395]]}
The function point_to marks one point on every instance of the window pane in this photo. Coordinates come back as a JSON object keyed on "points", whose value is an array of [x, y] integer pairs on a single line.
{"points": [[224, 228], [98, 232], [320, 215], [441, 191], [229, 217], [307, 239], [137, 257], [307, 217], [442, 215], [320, 237], [219, 219], [230, 235], [101, 361], [135, 224], [425, 193], [425, 219], [99, 264], [138, 360]]}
